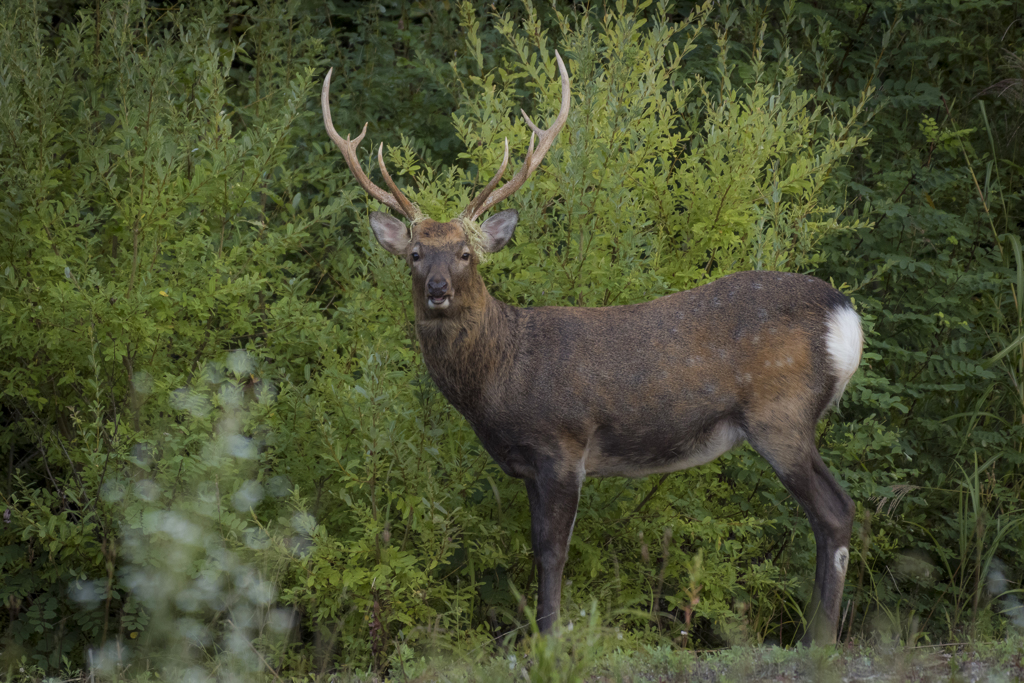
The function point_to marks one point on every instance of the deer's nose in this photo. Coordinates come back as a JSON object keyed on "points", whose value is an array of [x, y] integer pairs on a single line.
{"points": [[437, 287]]}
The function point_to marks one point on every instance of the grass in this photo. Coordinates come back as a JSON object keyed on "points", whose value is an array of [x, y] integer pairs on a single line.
{"points": [[586, 656], [994, 661]]}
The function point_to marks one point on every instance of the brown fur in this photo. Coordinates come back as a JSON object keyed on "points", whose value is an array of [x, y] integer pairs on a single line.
{"points": [[556, 394]]}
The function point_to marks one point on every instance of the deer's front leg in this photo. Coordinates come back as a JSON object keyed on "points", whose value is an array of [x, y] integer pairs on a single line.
{"points": [[553, 502]]}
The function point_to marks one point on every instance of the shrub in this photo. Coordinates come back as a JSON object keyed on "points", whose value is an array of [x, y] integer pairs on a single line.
{"points": [[223, 448]]}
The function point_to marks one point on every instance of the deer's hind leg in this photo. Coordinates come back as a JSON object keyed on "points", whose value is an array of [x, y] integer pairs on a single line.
{"points": [[795, 459]]}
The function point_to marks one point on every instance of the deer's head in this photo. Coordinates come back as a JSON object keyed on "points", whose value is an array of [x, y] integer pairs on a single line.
{"points": [[441, 256]]}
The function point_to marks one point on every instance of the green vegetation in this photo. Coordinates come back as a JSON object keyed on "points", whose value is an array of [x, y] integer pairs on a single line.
{"points": [[224, 457]]}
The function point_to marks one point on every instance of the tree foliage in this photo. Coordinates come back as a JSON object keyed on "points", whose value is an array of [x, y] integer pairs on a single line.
{"points": [[222, 446]]}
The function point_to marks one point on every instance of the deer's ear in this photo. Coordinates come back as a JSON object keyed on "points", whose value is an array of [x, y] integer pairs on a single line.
{"points": [[390, 232], [498, 230]]}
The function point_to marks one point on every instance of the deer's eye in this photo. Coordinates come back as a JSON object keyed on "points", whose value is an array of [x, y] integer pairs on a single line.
{"points": [[465, 256], [415, 256]]}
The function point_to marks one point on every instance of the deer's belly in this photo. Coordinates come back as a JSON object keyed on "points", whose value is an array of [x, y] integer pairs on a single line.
{"points": [[625, 456]]}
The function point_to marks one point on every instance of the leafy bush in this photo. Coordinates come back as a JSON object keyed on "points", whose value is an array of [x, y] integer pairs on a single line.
{"points": [[223, 448], [938, 281]]}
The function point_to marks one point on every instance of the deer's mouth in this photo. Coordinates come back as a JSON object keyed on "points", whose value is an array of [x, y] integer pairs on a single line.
{"points": [[439, 302]]}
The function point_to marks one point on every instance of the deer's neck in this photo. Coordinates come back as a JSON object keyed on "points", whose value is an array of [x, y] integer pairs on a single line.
{"points": [[471, 352]]}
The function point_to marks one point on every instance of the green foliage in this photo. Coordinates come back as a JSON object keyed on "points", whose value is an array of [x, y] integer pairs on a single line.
{"points": [[224, 453], [938, 281], [137, 254]]}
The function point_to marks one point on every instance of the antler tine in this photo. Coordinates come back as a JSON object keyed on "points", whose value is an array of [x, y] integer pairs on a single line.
{"points": [[407, 207], [545, 138], [347, 147], [482, 197]]}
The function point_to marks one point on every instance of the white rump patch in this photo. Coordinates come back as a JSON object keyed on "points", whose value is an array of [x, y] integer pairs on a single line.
{"points": [[845, 343], [841, 559]]}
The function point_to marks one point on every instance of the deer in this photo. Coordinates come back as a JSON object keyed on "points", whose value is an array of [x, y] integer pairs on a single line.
{"points": [[559, 394]]}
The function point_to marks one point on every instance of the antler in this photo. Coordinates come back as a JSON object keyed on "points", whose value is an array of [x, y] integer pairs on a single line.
{"points": [[394, 199], [486, 199]]}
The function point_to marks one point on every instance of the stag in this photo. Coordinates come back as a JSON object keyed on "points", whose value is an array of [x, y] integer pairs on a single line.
{"points": [[558, 394]]}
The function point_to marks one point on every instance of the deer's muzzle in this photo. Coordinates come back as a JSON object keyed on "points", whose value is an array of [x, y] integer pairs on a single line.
{"points": [[438, 296]]}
